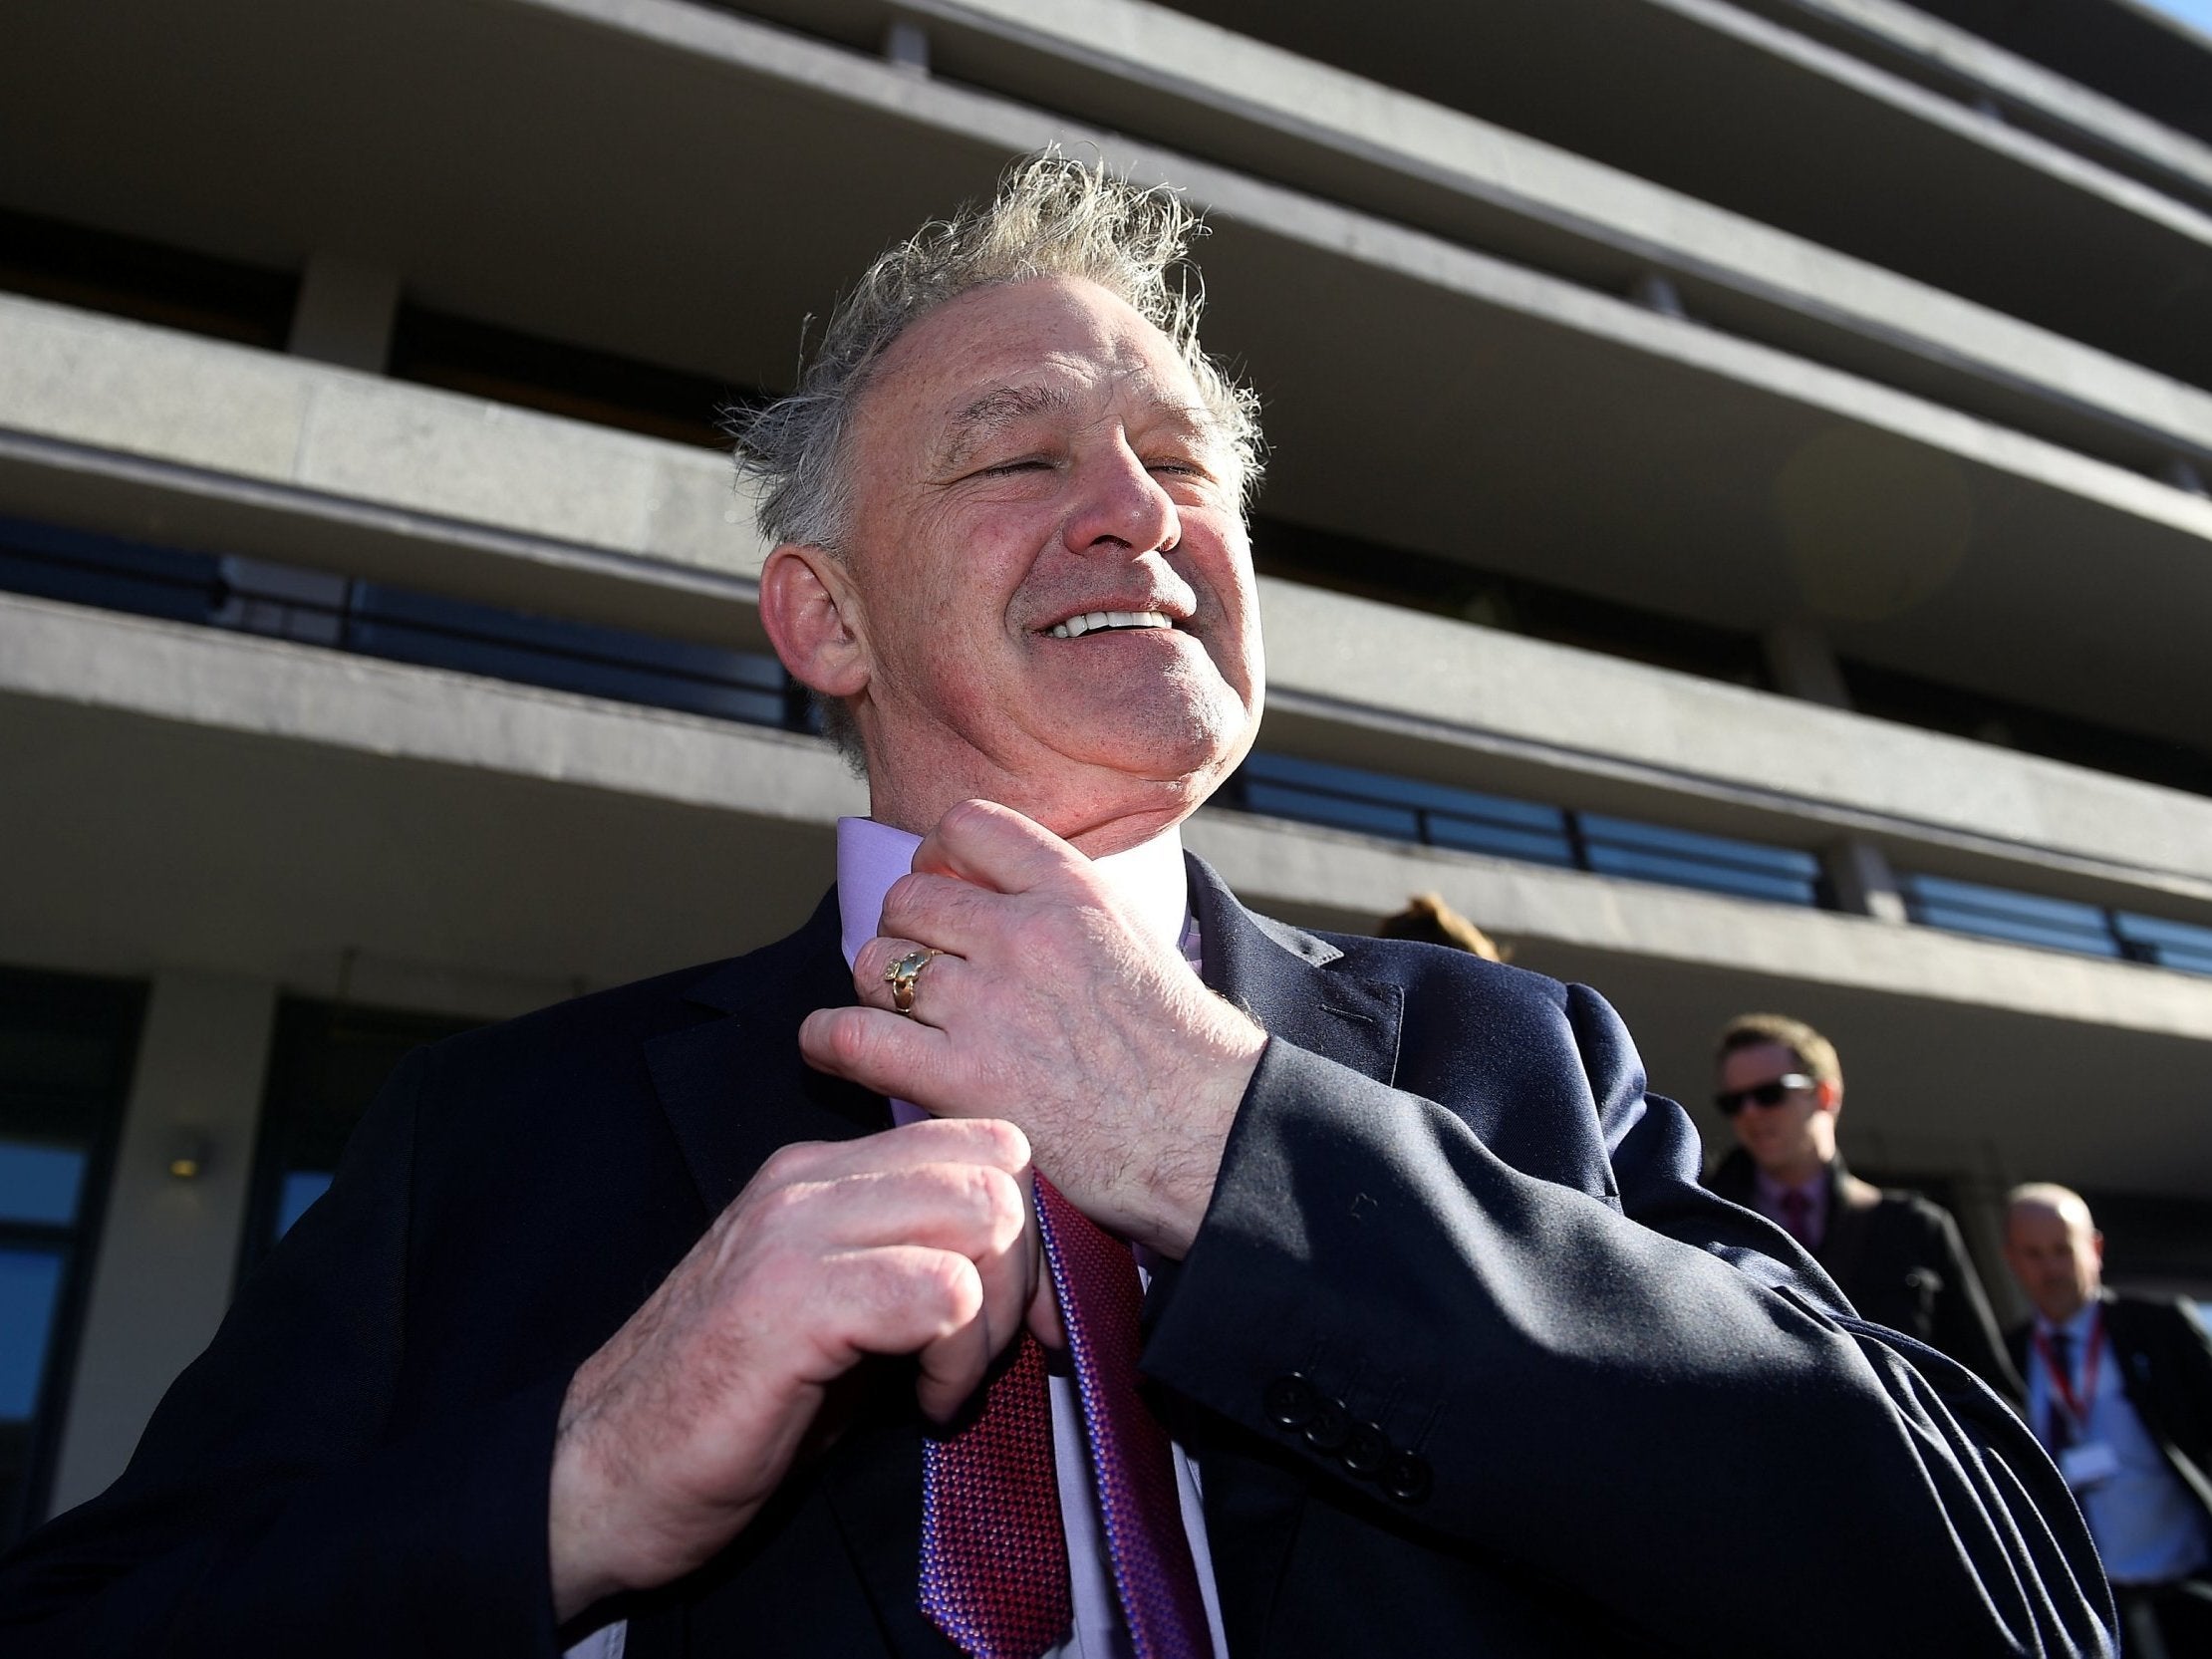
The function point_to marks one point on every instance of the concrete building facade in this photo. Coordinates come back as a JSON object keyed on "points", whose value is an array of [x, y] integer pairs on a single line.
{"points": [[1737, 528]]}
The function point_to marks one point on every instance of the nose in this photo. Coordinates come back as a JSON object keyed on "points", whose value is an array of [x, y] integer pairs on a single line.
{"points": [[1121, 506]]}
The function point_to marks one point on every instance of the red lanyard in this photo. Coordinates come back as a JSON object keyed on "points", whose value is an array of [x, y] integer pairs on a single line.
{"points": [[2077, 1406]]}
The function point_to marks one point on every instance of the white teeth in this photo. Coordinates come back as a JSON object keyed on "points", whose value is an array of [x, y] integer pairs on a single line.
{"points": [[1076, 626]]}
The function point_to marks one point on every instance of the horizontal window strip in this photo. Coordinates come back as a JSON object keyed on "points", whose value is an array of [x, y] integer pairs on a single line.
{"points": [[1466, 820], [372, 619]]}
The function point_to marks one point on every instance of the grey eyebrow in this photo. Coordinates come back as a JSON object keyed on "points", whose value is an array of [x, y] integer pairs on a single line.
{"points": [[991, 413], [1007, 406]]}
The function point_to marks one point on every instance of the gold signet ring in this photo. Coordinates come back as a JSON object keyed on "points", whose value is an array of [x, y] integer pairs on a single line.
{"points": [[901, 975]]}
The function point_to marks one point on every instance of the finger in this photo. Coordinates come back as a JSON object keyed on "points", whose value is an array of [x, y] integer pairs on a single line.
{"points": [[976, 1209], [1043, 1314], [979, 1140], [997, 847], [936, 982], [891, 1054], [946, 911], [909, 1299]]}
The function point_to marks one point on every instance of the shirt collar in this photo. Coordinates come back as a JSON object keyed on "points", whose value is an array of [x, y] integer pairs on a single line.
{"points": [[1771, 1189], [870, 856], [2077, 1327]]}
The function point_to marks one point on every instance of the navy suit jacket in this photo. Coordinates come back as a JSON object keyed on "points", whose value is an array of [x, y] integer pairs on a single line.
{"points": [[1624, 1416]]}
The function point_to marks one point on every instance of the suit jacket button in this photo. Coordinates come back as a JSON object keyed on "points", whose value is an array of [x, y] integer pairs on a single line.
{"points": [[1407, 1478], [1330, 1429], [1291, 1402], [1367, 1452]]}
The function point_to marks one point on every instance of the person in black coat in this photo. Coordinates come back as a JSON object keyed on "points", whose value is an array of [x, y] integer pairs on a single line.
{"points": [[2120, 1393], [652, 1313], [1895, 1255]]}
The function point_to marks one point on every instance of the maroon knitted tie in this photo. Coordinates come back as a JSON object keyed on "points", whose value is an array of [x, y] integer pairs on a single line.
{"points": [[996, 1580]]}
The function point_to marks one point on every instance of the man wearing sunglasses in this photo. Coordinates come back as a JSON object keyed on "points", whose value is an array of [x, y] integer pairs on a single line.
{"points": [[1895, 1255]]}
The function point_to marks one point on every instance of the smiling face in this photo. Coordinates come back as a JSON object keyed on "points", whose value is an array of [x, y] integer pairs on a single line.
{"points": [[1794, 1139], [1046, 585]]}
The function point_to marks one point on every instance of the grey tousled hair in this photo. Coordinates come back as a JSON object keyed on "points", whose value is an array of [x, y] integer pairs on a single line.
{"points": [[1050, 216]]}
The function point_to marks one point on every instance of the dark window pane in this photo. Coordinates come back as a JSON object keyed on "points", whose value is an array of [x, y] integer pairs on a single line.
{"points": [[2182, 945], [1402, 791], [254, 596], [30, 1290], [1533, 846], [483, 361], [66, 1048], [301, 1188], [1687, 858], [99, 271], [39, 1184], [2020, 918], [1312, 807], [567, 656], [104, 571], [326, 1063]]}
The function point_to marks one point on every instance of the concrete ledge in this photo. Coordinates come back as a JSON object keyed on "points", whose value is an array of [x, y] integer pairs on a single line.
{"points": [[152, 431], [273, 689], [2026, 85], [1351, 674], [280, 697], [1225, 98], [1350, 880]]}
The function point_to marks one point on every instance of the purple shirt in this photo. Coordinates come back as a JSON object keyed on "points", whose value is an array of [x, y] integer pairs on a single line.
{"points": [[1767, 1198]]}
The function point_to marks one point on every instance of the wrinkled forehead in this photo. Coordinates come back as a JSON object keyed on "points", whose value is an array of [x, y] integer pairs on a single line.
{"points": [[1028, 354], [2050, 1224]]}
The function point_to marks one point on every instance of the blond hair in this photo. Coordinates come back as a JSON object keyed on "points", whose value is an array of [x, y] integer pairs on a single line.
{"points": [[1814, 1051]]}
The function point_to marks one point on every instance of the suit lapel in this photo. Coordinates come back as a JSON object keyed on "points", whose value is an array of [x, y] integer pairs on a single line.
{"points": [[1844, 1241], [1283, 977], [735, 1088]]}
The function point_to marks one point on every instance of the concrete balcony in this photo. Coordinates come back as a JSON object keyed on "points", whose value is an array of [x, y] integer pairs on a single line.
{"points": [[393, 835], [145, 433]]}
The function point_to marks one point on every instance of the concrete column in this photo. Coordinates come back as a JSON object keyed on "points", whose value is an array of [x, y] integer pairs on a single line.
{"points": [[346, 312], [167, 1246], [906, 46], [1860, 875], [1804, 665]]}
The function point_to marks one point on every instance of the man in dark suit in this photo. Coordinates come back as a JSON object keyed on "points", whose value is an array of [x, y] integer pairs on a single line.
{"points": [[1895, 1255], [2120, 1393], [680, 1318]]}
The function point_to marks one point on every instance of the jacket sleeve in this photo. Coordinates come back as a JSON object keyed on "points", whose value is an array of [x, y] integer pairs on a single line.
{"points": [[1621, 1385], [268, 1511]]}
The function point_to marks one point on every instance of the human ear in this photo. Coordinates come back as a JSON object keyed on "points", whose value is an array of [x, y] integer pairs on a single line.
{"points": [[809, 608]]}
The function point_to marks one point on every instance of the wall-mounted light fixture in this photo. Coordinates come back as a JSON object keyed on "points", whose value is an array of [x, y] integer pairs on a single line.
{"points": [[187, 1154]]}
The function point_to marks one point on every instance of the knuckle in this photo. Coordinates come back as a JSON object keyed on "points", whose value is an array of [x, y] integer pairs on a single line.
{"points": [[1004, 1207], [954, 1285], [854, 1042], [1003, 1141], [794, 1160]]}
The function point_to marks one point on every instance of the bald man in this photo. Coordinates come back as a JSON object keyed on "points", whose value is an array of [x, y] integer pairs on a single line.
{"points": [[2120, 1393]]}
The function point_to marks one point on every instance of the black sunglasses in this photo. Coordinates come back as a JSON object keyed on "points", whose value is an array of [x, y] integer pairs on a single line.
{"points": [[1761, 1094]]}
